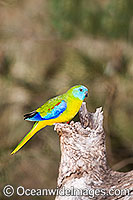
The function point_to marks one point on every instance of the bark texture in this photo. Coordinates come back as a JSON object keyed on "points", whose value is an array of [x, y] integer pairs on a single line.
{"points": [[84, 164]]}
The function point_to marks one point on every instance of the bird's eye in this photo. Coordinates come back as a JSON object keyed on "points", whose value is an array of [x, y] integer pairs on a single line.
{"points": [[81, 90]]}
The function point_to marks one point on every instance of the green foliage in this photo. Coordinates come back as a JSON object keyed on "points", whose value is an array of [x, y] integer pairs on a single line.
{"points": [[65, 16], [112, 20], [91, 13], [70, 16], [117, 18]]}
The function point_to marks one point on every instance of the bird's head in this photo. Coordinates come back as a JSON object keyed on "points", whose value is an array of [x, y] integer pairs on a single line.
{"points": [[79, 91]]}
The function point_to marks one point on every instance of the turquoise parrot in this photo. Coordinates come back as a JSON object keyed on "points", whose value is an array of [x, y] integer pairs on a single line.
{"points": [[56, 110]]}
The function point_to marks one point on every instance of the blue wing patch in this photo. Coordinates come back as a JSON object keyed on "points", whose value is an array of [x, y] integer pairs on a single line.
{"points": [[54, 113]]}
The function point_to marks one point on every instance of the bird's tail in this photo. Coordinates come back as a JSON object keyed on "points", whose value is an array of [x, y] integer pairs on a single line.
{"points": [[36, 127]]}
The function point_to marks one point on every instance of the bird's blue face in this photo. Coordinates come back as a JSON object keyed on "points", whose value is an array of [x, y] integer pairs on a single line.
{"points": [[80, 92]]}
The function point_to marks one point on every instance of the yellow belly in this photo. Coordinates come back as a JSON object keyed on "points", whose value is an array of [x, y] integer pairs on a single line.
{"points": [[70, 112], [72, 109]]}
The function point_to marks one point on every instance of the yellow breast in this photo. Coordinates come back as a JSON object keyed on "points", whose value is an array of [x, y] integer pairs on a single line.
{"points": [[72, 109]]}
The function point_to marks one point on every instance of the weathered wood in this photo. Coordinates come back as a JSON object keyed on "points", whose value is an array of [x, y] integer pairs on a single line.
{"points": [[84, 162]]}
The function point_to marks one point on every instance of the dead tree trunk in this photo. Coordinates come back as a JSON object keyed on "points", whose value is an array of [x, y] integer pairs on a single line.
{"points": [[84, 172]]}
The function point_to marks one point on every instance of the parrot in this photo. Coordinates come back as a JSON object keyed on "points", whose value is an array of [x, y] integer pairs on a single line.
{"points": [[58, 109]]}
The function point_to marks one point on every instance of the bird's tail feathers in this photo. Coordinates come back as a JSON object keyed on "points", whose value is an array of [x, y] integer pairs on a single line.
{"points": [[36, 127]]}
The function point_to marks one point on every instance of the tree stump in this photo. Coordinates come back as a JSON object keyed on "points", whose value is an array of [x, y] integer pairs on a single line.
{"points": [[84, 172]]}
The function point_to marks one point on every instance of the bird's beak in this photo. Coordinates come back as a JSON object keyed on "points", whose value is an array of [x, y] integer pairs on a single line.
{"points": [[86, 94]]}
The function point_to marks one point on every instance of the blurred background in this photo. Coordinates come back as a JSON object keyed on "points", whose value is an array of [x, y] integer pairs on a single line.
{"points": [[45, 48]]}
